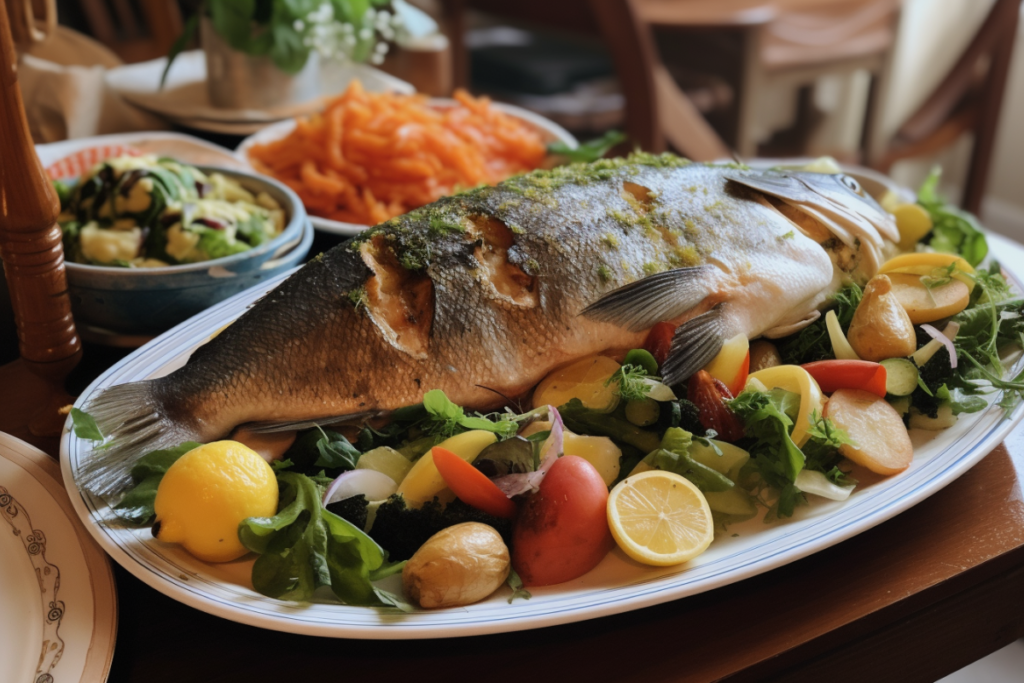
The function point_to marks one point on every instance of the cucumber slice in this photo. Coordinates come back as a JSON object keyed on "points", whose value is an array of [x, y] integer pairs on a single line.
{"points": [[643, 412], [900, 403], [735, 502], [900, 376]]}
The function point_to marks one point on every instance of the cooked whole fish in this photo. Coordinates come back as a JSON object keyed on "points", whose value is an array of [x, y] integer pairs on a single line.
{"points": [[483, 293]]}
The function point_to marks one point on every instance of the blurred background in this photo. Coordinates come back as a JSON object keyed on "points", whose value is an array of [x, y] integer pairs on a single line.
{"points": [[892, 84]]}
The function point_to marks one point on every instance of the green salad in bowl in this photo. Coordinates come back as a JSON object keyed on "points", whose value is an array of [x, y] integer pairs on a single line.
{"points": [[150, 212]]}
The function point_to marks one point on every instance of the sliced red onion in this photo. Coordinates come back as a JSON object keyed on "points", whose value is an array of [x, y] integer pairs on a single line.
{"points": [[944, 340], [370, 483], [515, 484]]}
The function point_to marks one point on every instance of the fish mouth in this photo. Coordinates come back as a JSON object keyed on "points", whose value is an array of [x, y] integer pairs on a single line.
{"points": [[835, 201]]}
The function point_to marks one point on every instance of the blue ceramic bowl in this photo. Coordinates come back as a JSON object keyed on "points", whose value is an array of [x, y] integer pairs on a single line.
{"points": [[145, 301]]}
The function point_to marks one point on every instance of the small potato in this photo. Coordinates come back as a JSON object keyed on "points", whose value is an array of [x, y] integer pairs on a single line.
{"points": [[880, 441], [457, 566], [881, 328], [925, 305]]}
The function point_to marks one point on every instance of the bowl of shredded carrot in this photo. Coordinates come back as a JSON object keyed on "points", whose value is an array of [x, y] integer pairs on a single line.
{"points": [[368, 157]]}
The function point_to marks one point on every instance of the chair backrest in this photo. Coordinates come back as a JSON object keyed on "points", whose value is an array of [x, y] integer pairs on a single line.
{"points": [[136, 30], [831, 33], [998, 28], [969, 98]]}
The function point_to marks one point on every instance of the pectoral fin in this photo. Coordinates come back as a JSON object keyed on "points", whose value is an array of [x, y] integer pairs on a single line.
{"points": [[695, 344], [662, 296]]}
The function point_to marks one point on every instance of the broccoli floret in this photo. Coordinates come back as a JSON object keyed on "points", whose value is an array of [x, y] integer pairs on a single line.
{"points": [[401, 530], [351, 510], [689, 418]]}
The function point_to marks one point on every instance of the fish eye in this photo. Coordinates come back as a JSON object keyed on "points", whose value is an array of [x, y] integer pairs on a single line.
{"points": [[851, 184]]}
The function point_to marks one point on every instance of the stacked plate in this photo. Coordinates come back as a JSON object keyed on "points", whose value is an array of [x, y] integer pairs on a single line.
{"points": [[184, 99], [56, 588]]}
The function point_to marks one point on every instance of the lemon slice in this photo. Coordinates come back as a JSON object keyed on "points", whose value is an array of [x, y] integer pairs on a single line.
{"points": [[660, 518]]}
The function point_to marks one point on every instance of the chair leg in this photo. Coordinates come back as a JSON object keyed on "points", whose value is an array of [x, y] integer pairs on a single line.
{"points": [[750, 86], [632, 47]]}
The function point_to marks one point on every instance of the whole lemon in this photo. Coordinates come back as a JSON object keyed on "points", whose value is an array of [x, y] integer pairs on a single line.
{"points": [[207, 492]]}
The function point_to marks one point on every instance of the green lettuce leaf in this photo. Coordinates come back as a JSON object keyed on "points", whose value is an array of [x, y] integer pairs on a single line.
{"points": [[305, 546]]}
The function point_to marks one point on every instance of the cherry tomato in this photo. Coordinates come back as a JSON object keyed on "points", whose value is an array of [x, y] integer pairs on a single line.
{"points": [[562, 529]]}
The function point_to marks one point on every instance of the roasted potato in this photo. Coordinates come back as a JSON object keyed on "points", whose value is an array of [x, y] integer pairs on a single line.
{"points": [[457, 566], [881, 328]]}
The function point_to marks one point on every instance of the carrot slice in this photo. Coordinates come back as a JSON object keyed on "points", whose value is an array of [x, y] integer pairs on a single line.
{"points": [[471, 485]]}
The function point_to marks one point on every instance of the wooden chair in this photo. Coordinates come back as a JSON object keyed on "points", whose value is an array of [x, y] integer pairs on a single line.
{"points": [[788, 43], [968, 99], [657, 111]]}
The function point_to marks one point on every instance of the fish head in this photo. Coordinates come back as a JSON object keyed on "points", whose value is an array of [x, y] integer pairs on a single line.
{"points": [[829, 205]]}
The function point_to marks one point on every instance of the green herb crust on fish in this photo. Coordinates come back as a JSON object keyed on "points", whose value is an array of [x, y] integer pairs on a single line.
{"points": [[483, 293]]}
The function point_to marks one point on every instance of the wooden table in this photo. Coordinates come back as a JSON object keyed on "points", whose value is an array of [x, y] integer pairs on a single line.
{"points": [[913, 599]]}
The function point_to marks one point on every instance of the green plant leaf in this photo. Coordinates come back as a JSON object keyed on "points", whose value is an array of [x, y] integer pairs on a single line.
{"points": [[233, 20], [187, 34]]}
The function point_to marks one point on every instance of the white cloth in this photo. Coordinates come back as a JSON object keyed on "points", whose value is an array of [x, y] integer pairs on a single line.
{"points": [[62, 85]]}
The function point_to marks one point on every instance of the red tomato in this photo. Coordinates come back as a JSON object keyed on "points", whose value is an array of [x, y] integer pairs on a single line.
{"points": [[659, 341], [832, 375], [562, 529], [471, 485]]}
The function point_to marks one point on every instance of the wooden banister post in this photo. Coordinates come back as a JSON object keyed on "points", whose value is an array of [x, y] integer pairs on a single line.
{"points": [[30, 242]]}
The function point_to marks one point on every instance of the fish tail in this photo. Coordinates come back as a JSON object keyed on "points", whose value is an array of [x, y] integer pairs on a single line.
{"points": [[136, 422]]}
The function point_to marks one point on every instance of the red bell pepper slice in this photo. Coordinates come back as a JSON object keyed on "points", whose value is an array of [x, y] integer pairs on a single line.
{"points": [[848, 374], [471, 485]]}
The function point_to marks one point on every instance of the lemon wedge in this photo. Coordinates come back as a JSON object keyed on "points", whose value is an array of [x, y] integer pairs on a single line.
{"points": [[660, 518]]}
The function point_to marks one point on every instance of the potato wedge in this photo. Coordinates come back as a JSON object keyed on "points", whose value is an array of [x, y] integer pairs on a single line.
{"points": [[880, 441], [925, 306]]}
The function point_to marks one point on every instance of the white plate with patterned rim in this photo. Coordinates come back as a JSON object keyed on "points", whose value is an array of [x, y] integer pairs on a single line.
{"points": [[53, 576], [549, 132], [616, 585]]}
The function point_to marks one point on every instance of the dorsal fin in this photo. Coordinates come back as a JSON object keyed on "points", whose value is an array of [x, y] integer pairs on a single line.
{"points": [[653, 299]]}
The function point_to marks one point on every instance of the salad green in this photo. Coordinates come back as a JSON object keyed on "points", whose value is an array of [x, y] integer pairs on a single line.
{"points": [[145, 211]]}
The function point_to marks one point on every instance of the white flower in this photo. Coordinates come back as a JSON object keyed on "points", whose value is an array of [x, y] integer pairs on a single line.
{"points": [[299, 25], [381, 48], [377, 59], [365, 34]]}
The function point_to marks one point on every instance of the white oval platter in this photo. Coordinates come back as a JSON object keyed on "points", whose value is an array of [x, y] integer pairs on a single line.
{"points": [[616, 585]]}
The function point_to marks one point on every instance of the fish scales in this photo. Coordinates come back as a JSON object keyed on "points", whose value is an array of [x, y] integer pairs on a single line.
{"points": [[479, 295]]}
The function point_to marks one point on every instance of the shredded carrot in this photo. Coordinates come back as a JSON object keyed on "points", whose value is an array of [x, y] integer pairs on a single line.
{"points": [[372, 156]]}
